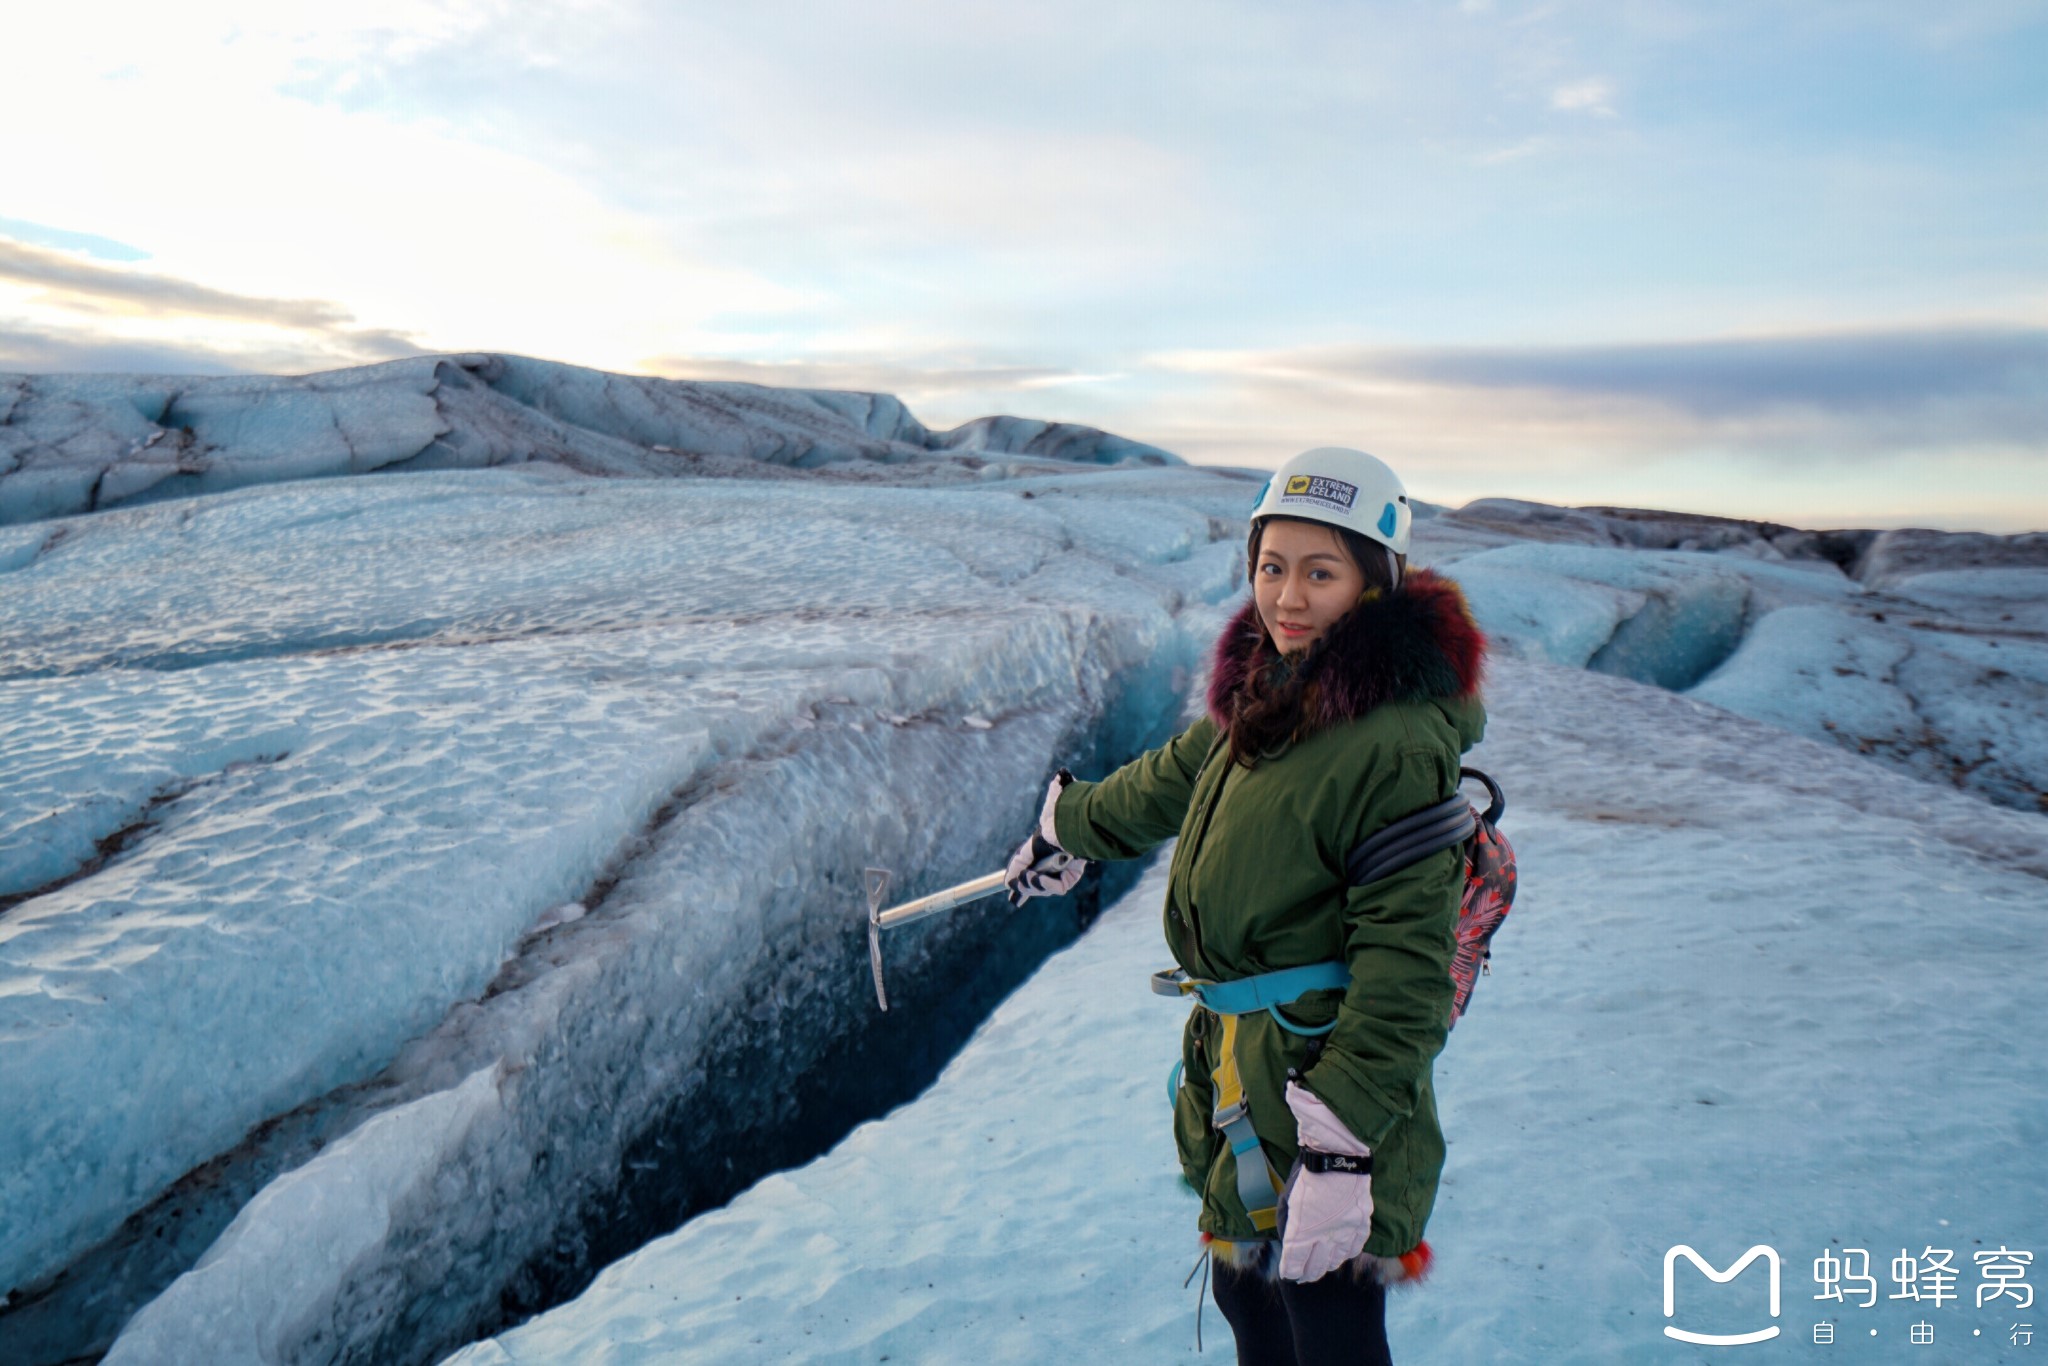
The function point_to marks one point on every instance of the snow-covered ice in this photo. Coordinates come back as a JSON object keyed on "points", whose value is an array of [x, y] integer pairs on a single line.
{"points": [[312, 1228], [1942, 673], [413, 885], [1755, 990], [294, 772]]}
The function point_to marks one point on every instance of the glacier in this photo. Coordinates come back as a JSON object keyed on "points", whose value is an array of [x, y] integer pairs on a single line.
{"points": [[324, 797], [1755, 990], [433, 800]]}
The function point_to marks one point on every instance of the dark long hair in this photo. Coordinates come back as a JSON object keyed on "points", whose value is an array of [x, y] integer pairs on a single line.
{"points": [[1266, 714]]}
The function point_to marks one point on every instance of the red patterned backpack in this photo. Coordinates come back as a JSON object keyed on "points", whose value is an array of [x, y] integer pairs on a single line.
{"points": [[1489, 872]]}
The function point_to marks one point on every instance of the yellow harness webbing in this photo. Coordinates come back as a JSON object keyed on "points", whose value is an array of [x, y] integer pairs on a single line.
{"points": [[1232, 1118]]}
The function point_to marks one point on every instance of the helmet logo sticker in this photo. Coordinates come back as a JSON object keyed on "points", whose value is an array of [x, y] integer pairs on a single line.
{"points": [[1314, 488], [1262, 494], [1387, 521]]}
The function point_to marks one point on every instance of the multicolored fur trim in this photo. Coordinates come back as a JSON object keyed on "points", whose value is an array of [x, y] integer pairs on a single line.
{"points": [[1262, 1255], [1417, 642]]}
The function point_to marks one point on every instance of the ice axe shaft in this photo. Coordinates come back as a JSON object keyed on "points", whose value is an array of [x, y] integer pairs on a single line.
{"points": [[940, 901], [945, 900]]}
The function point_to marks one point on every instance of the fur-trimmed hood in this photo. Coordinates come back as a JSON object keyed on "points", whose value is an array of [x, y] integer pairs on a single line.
{"points": [[1415, 643]]}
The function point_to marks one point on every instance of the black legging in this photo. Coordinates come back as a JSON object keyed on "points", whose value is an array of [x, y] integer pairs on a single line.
{"points": [[1340, 1320]]}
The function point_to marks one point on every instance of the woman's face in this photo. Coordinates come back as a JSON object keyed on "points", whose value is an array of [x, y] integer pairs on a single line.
{"points": [[1303, 582]]}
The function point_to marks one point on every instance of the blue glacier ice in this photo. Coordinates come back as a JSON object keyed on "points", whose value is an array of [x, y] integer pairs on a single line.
{"points": [[301, 779], [1939, 670]]}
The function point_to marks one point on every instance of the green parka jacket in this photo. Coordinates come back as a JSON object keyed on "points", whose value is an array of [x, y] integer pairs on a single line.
{"points": [[1257, 884]]}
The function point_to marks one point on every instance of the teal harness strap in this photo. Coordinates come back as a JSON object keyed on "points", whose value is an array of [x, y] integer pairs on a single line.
{"points": [[1268, 991]]}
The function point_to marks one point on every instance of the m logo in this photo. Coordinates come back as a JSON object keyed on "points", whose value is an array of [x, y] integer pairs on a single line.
{"points": [[1671, 1257]]}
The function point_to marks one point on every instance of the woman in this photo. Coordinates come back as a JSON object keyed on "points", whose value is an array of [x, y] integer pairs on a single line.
{"points": [[1342, 697]]}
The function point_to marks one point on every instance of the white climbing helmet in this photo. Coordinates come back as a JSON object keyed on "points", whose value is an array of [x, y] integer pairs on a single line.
{"points": [[1343, 487]]}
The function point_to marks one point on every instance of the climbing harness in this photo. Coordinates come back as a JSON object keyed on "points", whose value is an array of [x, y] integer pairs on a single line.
{"points": [[1268, 991]]}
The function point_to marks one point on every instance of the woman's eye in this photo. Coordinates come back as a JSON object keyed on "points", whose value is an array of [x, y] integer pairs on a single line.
{"points": [[1319, 573]]}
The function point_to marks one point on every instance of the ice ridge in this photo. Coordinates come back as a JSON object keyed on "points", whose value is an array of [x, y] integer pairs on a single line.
{"points": [[79, 443]]}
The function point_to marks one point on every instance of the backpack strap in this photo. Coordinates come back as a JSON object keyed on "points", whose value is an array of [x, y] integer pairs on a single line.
{"points": [[1496, 800], [1416, 836]]}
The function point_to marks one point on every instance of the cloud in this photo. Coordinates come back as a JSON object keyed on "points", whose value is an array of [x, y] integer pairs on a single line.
{"points": [[1983, 383], [1527, 147], [344, 208], [50, 353], [1846, 374], [82, 315], [1592, 96], [868, 376], [907, 380], [158, 295], [943, 386], [1931, 425], [90, 244], [82, 350], [1840, 371]]}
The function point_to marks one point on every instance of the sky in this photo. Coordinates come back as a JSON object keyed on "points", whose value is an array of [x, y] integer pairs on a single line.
{"points": [[1759, 259]]}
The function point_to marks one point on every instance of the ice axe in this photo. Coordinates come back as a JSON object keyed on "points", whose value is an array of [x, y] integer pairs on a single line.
{"points": [[879, 919]]}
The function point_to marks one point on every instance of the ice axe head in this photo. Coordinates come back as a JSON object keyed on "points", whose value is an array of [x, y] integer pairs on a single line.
{"points": [[878, 889]]}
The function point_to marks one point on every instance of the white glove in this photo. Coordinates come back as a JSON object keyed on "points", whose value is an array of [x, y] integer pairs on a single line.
{"points": [[1325, 1214], [1040, 867]]}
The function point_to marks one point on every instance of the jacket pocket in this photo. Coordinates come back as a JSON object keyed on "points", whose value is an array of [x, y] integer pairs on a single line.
{"points": [[1196, 1141]]}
